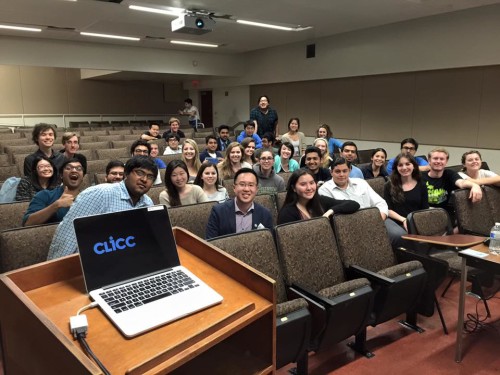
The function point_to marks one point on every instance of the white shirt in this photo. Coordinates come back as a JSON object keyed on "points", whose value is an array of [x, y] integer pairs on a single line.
{"points": [[169, 151], [482, 173], [357, 190]]}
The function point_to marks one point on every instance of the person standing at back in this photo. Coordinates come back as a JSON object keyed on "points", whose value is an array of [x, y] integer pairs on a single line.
{"points": [[43, 136], [192, 112], [264, 117]]}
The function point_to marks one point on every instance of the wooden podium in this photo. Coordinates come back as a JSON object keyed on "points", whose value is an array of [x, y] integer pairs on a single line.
{"points": [[235, 337]]}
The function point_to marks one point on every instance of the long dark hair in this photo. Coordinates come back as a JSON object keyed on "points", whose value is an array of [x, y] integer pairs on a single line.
{"points": [[53, 181], [314, 205], [173, 193], [199, 181], [245, 143], [397, 192]]}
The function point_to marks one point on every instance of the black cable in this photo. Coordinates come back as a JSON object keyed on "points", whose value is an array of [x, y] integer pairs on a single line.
{"points": [[474, 322], [85, 345]]}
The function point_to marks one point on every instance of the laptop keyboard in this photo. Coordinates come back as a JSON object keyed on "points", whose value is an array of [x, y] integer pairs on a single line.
{"points": [[136, 294]]}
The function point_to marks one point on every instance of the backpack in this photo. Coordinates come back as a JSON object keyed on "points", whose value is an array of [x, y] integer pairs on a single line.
{"points": [[9, 189]]}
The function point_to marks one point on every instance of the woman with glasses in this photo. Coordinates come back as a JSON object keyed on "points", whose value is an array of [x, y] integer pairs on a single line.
{"points": [[269, 181], [191, 157], [248, 145], [44, 177], [283, 162], [303, 202], [178, 192], [471, 161], [208, 180], [233, 161]]}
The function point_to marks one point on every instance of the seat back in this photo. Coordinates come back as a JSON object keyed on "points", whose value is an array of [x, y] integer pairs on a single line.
{"points": [[11, 214], [257, 249], [377, 184], [362, 240], [99, 178], [96, 166], [285, 176], [23, 247], [229, 185], [472, 218], [308, 254], [493, 198], [280, 200], [268, 201], [154, 193], [112, 153], [193, 217], [430, 222]]}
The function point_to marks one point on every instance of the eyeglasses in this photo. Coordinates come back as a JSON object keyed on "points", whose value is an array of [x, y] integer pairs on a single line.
{"points": [[409, 148], [70, 168], [267, 159], [141, 151], [142, 174], [246, 184], [43, 167]]}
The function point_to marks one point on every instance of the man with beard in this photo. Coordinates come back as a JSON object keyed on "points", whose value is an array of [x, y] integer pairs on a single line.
{"points": [[140, 172], [50, 206], [114, 171]]}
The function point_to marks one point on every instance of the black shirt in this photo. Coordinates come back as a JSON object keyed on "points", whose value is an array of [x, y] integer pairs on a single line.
{"points": [[415, 199]]}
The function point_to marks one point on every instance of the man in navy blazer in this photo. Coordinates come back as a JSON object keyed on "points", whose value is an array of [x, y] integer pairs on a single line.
{"points": [[240, 214]]}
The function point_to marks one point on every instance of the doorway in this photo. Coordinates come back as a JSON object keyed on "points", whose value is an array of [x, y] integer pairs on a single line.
{"points": [[206, 108]]}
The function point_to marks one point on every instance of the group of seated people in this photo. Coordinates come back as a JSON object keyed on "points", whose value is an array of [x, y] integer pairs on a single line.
{"points": [[322, 182]]}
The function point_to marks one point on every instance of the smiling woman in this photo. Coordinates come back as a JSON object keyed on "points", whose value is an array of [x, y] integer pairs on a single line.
{"points": [[471, 161], [178, 192]]}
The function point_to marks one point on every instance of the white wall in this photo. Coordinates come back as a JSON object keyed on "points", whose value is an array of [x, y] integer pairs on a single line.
{"points": [[232, 108]]}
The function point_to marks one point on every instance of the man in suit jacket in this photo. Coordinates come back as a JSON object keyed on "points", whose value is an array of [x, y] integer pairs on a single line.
{"points": [[240, 214], [223, 141]]}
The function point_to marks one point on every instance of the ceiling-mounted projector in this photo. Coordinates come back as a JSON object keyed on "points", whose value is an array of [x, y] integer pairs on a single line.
{"points": [[193, 24]]}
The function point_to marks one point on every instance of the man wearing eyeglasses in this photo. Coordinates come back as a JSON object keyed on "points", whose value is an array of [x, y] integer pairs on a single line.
{"points": [[140, 172], [115, 171], [269, 181], [240, 214], [409, 146], [50, 206]]}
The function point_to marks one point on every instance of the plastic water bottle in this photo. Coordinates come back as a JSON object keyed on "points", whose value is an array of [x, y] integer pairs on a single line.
{"points": [[495, 239]]}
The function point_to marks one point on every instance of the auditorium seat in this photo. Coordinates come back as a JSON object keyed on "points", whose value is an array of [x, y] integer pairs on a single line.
{"points": [[112, 153], [192, 217], [11, 214]]}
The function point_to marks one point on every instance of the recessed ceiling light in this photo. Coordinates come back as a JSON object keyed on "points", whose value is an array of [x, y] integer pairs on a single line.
{"points": [[110, 36], [169, 11], [20, 28], [194, 44]]}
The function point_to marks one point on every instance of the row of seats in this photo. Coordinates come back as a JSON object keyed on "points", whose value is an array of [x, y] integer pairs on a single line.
{"points": [[347, 279]]}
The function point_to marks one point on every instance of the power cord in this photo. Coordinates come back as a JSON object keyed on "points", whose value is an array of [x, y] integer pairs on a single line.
{"points": [[79, 326], [475, 322]]}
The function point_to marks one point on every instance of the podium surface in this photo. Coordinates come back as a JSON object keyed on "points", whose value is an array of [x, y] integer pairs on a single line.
{"points": [[236, 336]]}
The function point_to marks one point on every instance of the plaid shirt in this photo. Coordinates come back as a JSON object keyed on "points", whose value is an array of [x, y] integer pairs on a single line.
{"points": [[266, 121], [94, 200]]}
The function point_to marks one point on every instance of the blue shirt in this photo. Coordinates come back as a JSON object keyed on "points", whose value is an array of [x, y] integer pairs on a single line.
{"points": [[332, 143], [43, 199], [356, 172], [421, 163], [256, 138], [94, 200], [159, 163]]}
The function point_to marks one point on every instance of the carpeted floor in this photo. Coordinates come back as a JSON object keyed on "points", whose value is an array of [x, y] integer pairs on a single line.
{"points": [[401, 351]]}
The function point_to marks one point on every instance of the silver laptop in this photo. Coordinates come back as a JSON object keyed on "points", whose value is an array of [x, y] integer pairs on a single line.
{"points": [[131, 268]]}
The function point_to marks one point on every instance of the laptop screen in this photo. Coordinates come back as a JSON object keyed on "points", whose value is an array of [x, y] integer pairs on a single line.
{"points": [[123, 245]]}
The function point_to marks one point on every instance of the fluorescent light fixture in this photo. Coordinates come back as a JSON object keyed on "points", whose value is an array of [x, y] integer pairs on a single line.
{"points": [[20, 28], [269, 26], [110, 36], [194, 44], [169, 11]]}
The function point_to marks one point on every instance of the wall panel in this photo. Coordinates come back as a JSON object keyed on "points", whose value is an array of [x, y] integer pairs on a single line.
{"points": [[11, 99]]}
